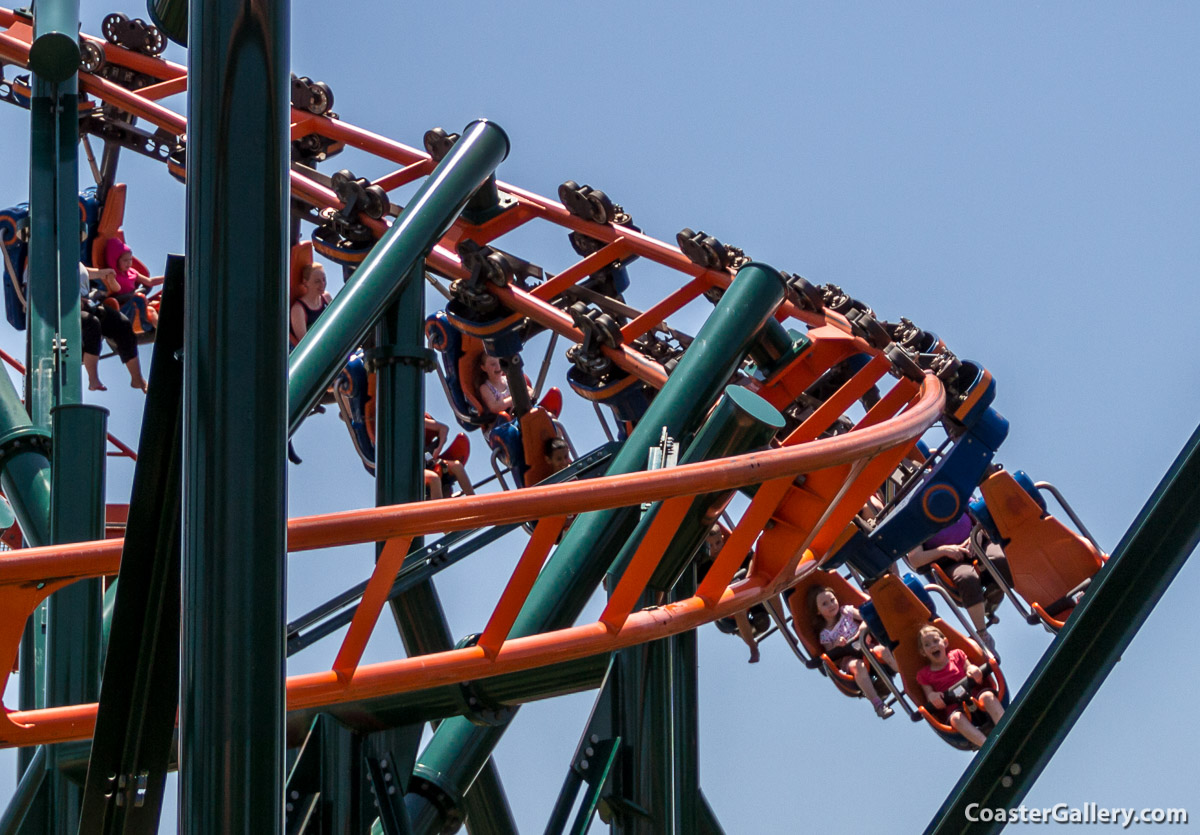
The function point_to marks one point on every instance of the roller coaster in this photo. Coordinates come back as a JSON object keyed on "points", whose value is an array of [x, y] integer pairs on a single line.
{"points": [[796, 442]]}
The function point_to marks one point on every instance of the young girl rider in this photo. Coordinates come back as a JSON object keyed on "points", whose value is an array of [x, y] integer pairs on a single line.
{"points": [[836, 628], [309, 306], [946, 668]]}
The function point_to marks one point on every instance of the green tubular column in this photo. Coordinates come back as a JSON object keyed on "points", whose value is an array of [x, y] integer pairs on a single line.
{"points": [[400, 477], [459, 749], [53, 347], [235, 420], [54, 341], [656, 683], [24, 466], [378, 282], [73, 649], [170, 16], [1121, 597], [25, 479]]}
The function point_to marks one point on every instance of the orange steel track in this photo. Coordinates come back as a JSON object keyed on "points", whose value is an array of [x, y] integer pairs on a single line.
{"points": [[787, 523], [28, 576]]}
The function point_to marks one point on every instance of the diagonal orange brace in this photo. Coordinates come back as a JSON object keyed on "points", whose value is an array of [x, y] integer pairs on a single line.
{"points": [[645, 560], [545, 534], [766, 500], [840, 401], [595, 262], [652, 318], [365, 617]]}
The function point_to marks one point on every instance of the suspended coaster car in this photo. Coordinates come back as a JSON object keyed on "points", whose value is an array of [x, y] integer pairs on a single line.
{"points": [[895, 614], [809, 636], [1051, 565], [14, 250], [517, 442], [108, 226]]}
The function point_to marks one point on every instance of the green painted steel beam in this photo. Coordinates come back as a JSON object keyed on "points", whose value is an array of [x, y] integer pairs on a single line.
{"points": [[171, 17], [1062, 684], [54, 53], [459, 749], [73, 614], [399, 478], [133, 738], [235, 419], [654, 703], [377, 283], [55, 346], [22, 802]]}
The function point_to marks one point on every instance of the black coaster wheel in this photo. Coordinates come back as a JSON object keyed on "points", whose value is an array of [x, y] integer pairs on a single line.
{"points": [[91, 57], [375, 202], [602, 208], [320, 98], [154, 41], [113, 26], [438, 143]]}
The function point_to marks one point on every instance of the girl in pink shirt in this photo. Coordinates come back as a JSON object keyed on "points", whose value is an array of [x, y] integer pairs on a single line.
{"points": [[946, 668]]}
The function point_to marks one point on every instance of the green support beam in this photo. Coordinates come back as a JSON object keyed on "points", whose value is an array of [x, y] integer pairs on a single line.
{"points": [[399, 356], [1062, 684], [655, 697], [459, 748], [131, 747], [235, 366], [54, 344], [377, 283], [73, 614]]}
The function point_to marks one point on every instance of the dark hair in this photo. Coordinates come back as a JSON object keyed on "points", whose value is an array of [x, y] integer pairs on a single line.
{"points": [[552, 445], [814, 615]]}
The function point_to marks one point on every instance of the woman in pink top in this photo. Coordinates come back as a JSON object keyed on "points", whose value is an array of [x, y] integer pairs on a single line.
{"points": [[119, 257]]}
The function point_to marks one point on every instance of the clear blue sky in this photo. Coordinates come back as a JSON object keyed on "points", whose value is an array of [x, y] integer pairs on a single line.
{"points": [[1021, 180]]}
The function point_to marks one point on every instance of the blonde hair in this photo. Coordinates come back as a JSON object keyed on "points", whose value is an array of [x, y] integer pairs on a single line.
{"points": [[307, 270]]}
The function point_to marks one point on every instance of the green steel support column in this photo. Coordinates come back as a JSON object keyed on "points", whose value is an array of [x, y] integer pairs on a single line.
{"points": [[1062, 684], [12, 821], [235, 420], [54, 341], [707, 819], [685, 720], [655, 697], [459, 749], [378, 282], [73, 650], [25, 479], [399, 478], [53, 347]]}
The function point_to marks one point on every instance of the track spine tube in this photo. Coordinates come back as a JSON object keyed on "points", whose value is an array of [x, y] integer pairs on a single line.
{"points": [[235, 420], [459, 749], [380, 279], [73, 614]]}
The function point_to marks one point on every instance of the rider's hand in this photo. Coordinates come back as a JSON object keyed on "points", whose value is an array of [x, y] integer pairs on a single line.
{"points": [[937, 701]]}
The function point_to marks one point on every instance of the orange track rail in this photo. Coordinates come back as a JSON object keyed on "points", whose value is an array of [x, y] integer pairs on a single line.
{"points": [[28, 576]]}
